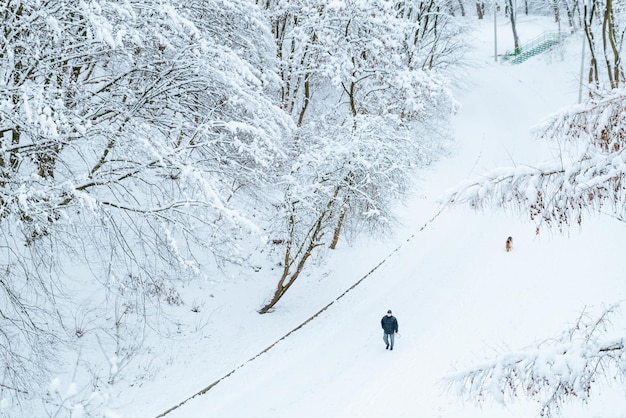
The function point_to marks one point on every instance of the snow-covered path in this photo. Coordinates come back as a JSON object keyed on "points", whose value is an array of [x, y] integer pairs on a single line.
{"points": [[455, 291]]}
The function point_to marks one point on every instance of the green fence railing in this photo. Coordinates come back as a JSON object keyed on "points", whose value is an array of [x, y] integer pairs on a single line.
{"points": [[537, 46]]}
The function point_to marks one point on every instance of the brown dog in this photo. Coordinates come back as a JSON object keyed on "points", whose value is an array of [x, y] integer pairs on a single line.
{"points": [[508, 245]]}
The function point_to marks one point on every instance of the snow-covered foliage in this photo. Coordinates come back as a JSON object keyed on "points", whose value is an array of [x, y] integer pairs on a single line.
{"points": [[454, 288], [138, 140], [387, 117], [591, 352], [588, 174], [365, 160], [126, 130], [589, 177]]}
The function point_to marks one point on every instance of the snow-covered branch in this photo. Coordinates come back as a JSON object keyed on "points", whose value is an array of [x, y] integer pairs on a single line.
{"points": [[553, 371], [133, 137], [592, 177]]}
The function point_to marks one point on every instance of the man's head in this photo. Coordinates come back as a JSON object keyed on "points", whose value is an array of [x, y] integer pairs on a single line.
{"points": [[389, 312]]}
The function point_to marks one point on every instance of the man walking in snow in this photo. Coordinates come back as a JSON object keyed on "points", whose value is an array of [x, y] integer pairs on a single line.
{"points": [[390, 329]]}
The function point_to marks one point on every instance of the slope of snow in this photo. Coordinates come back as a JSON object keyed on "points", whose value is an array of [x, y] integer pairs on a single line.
{"points": [[458, 296]]}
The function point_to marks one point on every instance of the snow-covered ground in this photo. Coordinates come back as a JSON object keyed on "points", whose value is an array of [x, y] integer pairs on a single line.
{"points": [[458, 296]]}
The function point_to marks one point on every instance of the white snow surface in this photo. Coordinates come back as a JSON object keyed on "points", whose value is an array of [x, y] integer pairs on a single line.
{"points": [[459, 297]]}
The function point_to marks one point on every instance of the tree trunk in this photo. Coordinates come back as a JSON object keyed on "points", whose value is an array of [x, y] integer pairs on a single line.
{"points": [[608, 39], [593, 66], [307, 99], [480, 10], [304, 252], [462, 8], [15, 140], [337, 232], [570, 18], [513, 27], [555, 9]]}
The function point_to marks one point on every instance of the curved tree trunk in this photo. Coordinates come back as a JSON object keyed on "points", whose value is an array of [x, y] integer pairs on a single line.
{"points": [[303, 253]]}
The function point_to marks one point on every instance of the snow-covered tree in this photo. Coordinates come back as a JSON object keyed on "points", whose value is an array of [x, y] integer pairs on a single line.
{"points": [[604, 27], [589, 176], [589, 172], [590, 353], [375, 113], [128, 130]]}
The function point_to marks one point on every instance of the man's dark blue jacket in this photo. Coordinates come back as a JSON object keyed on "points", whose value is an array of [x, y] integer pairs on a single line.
{"points": [[389, 324]]}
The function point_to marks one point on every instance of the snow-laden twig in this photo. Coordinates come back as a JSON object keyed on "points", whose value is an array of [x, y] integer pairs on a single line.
{"points": [[553, 371]]}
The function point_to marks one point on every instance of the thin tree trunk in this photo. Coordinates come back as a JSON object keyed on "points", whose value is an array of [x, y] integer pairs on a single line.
{"points": [[480, 10], [608, 37], [570, 17], [513, 27], [462, 7], [15, 140], [555, 8], [307, 98], [593, 66], [304, 252], [337, 232]]}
